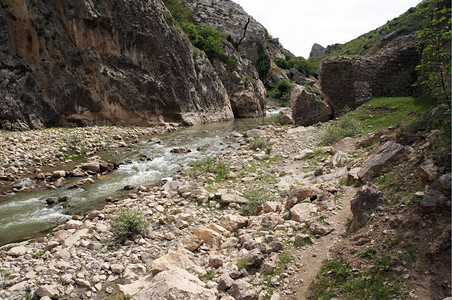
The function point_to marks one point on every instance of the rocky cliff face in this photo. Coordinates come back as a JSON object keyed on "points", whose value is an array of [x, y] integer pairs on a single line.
{"points": [[87, 62], [388, 70], [246, 92]]}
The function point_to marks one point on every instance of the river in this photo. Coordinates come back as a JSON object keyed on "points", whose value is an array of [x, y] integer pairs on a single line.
{"points": [[26, 215]]}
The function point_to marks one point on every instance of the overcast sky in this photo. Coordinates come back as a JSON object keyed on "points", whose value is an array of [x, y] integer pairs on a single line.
{"points": [[300, 23]]}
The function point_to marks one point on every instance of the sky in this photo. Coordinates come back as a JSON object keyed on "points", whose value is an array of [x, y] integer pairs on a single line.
{"points": [[300, 23]]}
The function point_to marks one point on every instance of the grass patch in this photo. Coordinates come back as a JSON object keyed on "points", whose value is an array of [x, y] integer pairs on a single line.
{"points": [[336, 280], [127, 223], [383, 112], [256, 197], [348, 126], [210, 165]]}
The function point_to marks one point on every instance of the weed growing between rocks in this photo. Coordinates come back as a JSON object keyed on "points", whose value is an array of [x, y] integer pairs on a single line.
{"points": [[210, 165], [127, 223], [256, 197]]}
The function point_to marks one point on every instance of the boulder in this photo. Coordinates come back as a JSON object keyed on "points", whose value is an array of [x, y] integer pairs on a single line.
{"points": [[300, 193], [306, 153], [191, 242], [180, 149], [383, 157], [175, 284], [224, 282], [18, 251], [93, 166], [209, 236], [233, 198], [286, 119], [59, 174], [367, 200], [180, 258], [233, 222], [129, 290], [346, 145], [437, 195], [429, 172], [303, 212], [48, 290], [306, 110], [242, 290], [253, 133]]}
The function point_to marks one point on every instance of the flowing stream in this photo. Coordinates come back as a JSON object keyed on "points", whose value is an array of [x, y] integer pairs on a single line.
{"points": [[26, 214]]}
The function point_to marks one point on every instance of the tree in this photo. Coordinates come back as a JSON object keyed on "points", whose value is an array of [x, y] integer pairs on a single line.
{"points": [[435, 64]]}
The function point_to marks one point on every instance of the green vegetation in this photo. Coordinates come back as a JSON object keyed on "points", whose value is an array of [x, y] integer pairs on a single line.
{"points": [[127, 223], [435, 65], [263, 63], [260, 143], [304, 66], [206, 38], [369, 253], [348, 126], [410, 21], [336, 280], [281, 91], [210, 165], [256, 197], [209, 275]]}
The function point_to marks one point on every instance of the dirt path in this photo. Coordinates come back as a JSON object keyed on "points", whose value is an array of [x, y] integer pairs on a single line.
{"points": [[308, 259]]}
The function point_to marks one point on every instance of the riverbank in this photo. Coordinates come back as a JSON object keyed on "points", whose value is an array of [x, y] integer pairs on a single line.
{"points": [[256, 222], [25, 153]]}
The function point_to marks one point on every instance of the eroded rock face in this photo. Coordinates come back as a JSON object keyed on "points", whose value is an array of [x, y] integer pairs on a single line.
{"points": [[387, 71], [101, 62], [246, 91]]}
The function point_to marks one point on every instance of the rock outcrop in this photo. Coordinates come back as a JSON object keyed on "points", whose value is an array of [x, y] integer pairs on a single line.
{"points": [[388, 71], [317, 51], [246, 91], [110, 62], [306, 110], [366, 201]]}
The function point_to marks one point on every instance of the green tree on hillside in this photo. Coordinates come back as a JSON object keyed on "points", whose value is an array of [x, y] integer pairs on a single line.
{"points": [[435, 65]]}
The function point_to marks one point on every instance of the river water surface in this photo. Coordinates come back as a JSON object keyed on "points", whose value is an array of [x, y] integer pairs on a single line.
{"points": [[26, 214]]}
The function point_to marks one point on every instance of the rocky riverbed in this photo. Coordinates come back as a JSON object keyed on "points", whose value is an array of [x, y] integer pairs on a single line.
{"points": [[28, 153], [253, 223], [195, 225]]}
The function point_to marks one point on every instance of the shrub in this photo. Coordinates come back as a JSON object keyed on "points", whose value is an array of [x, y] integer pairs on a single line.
{"points": [[127, 223], [256, 197], [257, 143], [262, 63], [281, 91]]}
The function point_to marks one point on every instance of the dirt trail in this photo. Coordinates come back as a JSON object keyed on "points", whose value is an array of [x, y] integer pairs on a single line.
{"points": [[308, 259]]}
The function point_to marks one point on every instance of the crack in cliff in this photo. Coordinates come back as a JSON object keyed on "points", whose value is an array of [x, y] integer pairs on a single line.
{"points": [[244, 31]]}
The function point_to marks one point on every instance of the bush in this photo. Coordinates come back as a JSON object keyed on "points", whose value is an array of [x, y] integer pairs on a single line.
{"points": [[347, 127], [256, 197], [263, 63], [257, 143], [127, 223], [281, 91]]}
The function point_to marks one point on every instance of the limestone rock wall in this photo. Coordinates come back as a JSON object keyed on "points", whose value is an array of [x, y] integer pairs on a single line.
{"points": [[246, 91], [389, 70], [101, 62]]}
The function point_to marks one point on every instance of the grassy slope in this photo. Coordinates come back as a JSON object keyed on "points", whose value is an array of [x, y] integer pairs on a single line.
{"points": [[380, 276]]}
